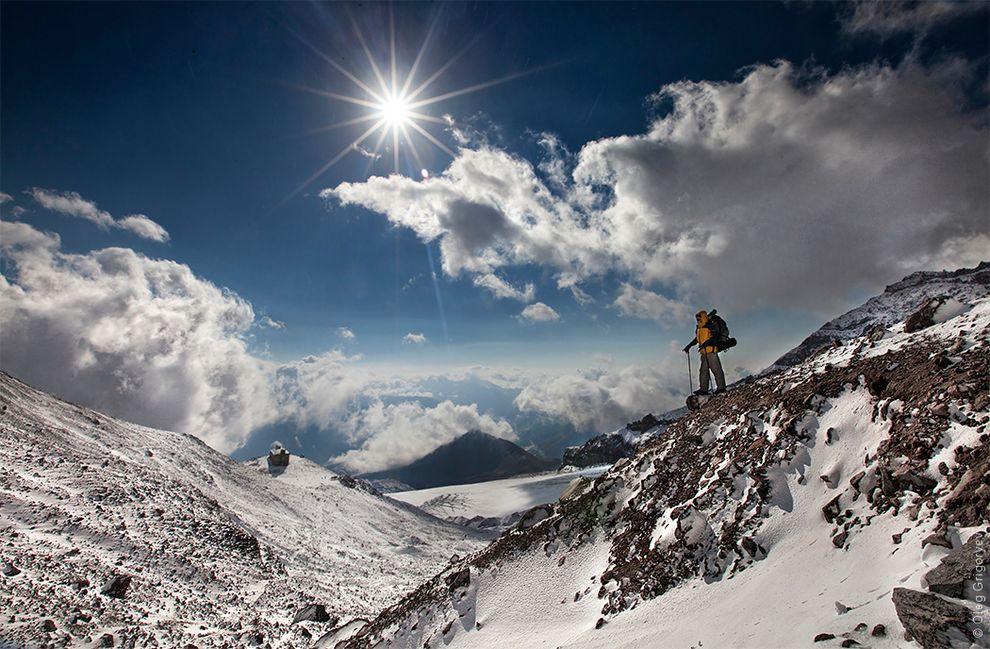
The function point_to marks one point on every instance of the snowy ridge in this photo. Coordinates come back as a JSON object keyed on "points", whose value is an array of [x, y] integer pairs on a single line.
{"points": [[801, 505], [216, 553], [894, 305]]}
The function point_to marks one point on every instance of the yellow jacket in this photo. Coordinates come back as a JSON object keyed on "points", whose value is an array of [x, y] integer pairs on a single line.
{"points": [[702, 333]]}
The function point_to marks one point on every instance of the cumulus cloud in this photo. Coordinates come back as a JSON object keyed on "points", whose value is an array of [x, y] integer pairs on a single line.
{"points": [[396, 434], [5, 198], [539, 312], [72, 204], [897, 16], [787, 187], [414, 338], [148, 341], [603, 399], [647, 305], [141, 338], [345, 333]]}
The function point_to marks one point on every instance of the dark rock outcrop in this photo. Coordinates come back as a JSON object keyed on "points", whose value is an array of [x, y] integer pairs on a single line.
{"points": [[116, 586], [314, 613], [959, 566], [601, 449], [931, 621], [924, 317]]}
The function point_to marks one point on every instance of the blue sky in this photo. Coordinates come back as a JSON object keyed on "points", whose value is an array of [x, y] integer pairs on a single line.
{"points": [[191, 115]]}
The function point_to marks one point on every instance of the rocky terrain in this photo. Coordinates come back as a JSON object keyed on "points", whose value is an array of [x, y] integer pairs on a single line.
{"points": [[894, 305], [843, 501], [616, 445], [112, 534]]}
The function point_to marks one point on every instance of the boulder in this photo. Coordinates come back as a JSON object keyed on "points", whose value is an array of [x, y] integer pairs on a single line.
{"points": [[458, 579], [925, 315], [931, 621], [960, 566], [10, 570], [314, 613], [644, 424], [116, 586]]}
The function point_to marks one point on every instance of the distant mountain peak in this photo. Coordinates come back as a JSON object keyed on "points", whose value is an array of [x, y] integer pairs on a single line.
{"points": [[474, 456]]}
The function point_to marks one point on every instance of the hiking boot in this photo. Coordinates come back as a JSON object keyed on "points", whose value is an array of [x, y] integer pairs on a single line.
{"points": [[720, 391], [701, 393]]}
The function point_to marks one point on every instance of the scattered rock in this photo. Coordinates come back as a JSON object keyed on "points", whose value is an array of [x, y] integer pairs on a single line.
{"points": [[48, 626], [940, 410], [959, 566], [879, 631], [600, 623], [106, 640], [116, 586], [849, 642], [822, 637], [938, 537], [839, 539], [10, 570], [861, 627], [930, 620]]}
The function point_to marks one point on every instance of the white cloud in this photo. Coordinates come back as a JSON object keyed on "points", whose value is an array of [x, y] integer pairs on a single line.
{"points": [[539, 312], [605, 399], [269, 322], [502, 289], [414, 338], [5, 198], [140, 338], [785, 188], [647, 305], [72, 204], [345, 333], [396, 434], [891, 17]]}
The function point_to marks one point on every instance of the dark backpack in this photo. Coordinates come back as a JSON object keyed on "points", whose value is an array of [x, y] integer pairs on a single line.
{"points": [[720, 331]]}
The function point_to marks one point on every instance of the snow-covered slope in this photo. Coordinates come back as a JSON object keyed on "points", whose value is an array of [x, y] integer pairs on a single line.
{"points": [[497, 498], [216, 553], [807, 504], [894, 305]]}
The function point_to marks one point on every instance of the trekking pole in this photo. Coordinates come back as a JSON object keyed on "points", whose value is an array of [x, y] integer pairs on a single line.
{"points": [[690, 376]]}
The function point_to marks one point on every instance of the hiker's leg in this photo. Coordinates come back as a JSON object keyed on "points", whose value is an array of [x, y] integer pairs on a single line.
{"points": [[716, 364], [703, 374]]}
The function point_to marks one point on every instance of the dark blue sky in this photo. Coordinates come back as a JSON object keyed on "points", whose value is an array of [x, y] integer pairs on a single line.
{"points": [[187, 113]]}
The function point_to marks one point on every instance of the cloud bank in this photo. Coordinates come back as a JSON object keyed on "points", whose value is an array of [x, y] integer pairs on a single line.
{"points": [[790, 187]]}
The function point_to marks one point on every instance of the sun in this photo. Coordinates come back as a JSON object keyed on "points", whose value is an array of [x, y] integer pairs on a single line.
{"points": [[394, 105], [396, 111]]}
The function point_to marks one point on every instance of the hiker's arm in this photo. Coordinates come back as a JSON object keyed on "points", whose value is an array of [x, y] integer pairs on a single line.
{"points": [[694, 341]]}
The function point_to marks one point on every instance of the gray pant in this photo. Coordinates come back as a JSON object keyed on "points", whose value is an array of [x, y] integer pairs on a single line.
{"points": [[710, 361]]}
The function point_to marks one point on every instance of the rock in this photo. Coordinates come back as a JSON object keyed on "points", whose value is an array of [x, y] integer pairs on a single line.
{"points": [[535, 515], [879, 631], [600, 623], [938, 537], [10, 570], [48, 626], [839, 539], [924, 317], [106, 640], [831, 510], [116, 586], [644, 424], [861, 627], [601, 449], [959, 566], [849, 642], [940, 410], [459, 579], [822, 637], [314, 613], [930, 620]]}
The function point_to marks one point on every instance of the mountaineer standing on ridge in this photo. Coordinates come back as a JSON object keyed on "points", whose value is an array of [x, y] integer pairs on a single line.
{"points": [[711, 335]]}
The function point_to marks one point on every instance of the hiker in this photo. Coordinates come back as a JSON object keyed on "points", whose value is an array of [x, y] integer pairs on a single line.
{"points": [[707, 340]]}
